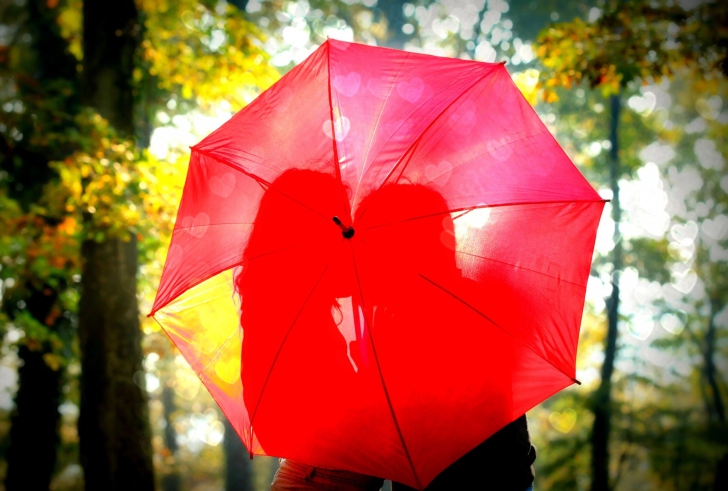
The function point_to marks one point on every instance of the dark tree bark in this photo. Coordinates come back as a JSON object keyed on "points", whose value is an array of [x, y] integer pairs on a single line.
{"points": [[111, 34], [171, 481], [113, 424], [114, 431], [238, 471], [31, 454], [602, 403], [721, 475], [715, 402]]}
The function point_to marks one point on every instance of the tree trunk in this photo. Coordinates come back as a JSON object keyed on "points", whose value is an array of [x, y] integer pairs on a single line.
{"points": [[111, 35], [31, 454], [115, 441], [113, 425], [171, 480], [238, 471], [603, 396], [715, 402]]}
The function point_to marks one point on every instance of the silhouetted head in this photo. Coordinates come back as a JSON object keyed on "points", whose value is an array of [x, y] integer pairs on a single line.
{"points": [[407, 231], [292, 239]]}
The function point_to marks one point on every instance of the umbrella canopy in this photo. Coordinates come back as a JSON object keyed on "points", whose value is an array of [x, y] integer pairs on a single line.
{"points": [[380, 262]]}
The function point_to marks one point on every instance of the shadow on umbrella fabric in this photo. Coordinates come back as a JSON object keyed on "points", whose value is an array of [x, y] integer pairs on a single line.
{"points": [[364, 345]]}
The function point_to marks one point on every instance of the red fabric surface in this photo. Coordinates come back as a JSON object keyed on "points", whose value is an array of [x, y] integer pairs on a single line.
{"points": [[453, 309]]}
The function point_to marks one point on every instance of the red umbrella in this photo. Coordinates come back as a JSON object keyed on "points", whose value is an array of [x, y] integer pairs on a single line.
{"points": [[380, 262]]}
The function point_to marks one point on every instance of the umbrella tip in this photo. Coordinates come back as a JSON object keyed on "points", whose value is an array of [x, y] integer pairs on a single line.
{"points": [[575, 381], [347, 232]]}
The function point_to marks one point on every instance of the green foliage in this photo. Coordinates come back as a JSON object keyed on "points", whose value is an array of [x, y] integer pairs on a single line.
{"points": [[99, 185], [633, 41], [649, 257], [203, 51]]}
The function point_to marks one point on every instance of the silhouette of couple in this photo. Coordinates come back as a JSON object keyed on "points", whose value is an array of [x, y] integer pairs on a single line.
{"points": [[321, 310]]}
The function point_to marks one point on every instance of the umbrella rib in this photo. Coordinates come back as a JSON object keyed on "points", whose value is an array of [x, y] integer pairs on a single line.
{"points": [[381, 376], [419, 137], [521, 267], [334, 141], [493, 149], [260, 180], [456, 297], [280, 348], [471, 208], [376, 126]]}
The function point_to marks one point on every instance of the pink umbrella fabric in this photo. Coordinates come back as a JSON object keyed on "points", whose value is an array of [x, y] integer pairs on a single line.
{"points": [[446, 301]]}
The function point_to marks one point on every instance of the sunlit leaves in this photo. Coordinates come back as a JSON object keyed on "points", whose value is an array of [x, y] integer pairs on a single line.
{"points": [[527, 83], [203, 51], [99, 182]]}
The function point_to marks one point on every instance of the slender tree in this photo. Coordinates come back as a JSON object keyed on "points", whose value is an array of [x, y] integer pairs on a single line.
{"points": [[171, 480], [602, 406]]}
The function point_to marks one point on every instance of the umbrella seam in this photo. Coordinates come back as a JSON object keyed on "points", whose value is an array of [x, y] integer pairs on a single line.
{"points": [[376, 125], [441, 137], [419, 137], [334, 141], [523, 343], [522, 267], [222, 346], [381, 375], [471, 208], [223, 160]]}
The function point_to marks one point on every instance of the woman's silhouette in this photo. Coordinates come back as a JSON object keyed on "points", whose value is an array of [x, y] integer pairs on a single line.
{"points": [[290, 283]]}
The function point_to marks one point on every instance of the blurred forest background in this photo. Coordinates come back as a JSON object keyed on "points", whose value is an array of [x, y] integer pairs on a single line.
{"points": [[99, 102]]}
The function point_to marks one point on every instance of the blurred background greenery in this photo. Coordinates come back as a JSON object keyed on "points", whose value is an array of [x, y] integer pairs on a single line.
{"points": [[99, 102]]}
